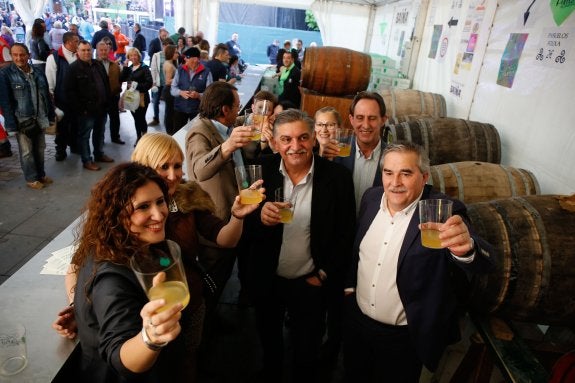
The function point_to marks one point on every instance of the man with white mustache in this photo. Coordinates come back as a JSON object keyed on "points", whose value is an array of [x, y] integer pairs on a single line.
{"points": [[295, 267], [400, 303], [367, 116]]}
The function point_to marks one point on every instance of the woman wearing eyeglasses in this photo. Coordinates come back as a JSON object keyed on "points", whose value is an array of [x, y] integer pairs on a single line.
{"points": [[327, 121]]}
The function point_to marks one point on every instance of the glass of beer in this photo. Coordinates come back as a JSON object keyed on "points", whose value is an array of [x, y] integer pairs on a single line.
{"points": [[245, 177], [161, 273], [343, 137], [257, 117], [432, 214], [285, 204]]}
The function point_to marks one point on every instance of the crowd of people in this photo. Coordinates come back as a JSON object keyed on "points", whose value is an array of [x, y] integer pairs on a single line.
{"points": [[348, 280], [348, 275]]}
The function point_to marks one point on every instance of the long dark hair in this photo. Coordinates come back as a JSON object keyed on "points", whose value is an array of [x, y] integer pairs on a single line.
{"points": [[105, 232]]}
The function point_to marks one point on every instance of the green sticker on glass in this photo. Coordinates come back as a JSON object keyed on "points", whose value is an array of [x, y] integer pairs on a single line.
{"points": [[561, 10], [164, 261]]}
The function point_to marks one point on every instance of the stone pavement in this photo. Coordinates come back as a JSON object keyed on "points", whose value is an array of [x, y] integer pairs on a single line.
{"points": [[10, 166], [30, 219]]}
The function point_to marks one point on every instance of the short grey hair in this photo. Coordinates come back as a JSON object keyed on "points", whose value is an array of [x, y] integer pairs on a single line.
{"points": [[293, 115], [408, 147]]}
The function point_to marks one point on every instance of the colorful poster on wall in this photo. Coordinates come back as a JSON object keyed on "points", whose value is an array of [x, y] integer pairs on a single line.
{"points": [[555, 48], [469, 36], [510, 59], [470, 33], [435, 41]]}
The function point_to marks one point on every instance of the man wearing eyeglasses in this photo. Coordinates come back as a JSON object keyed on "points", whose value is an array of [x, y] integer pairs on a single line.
{"points": [[295, 266]]}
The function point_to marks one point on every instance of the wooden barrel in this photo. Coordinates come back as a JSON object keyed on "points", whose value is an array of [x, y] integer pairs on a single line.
{"points": [[471, 181], [335, 71], [405, 118], [312, 101], [534, 280], [451, 139], [406, 102]]}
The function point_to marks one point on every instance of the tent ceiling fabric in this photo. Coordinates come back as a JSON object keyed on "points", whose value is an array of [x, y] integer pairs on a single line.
{"points": [[306, 4]]}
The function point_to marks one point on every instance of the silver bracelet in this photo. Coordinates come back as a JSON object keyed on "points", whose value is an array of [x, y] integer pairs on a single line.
{"points": [[151, 345]]}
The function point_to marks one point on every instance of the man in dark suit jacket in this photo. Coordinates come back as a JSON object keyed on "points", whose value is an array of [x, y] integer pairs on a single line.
{"points": [[289, 80], [156, 43], [139, 41], [104, 32], [400, 305], [295, 266], [367, 115]]}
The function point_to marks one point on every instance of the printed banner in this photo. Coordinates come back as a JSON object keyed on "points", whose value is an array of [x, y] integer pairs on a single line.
{"points": [[510, 59], [437, 29]]}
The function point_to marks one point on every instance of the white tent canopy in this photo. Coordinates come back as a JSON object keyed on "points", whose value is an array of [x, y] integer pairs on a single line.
{"points": [[333, 17]]}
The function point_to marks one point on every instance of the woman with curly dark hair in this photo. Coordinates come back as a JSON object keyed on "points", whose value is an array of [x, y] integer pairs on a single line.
{"points": [[122, 335], [191, 214]]}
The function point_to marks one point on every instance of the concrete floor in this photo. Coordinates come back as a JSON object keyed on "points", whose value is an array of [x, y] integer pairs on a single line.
{"points": [[30, 219]]}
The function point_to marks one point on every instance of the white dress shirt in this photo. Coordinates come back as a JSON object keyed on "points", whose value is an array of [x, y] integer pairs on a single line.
{"points": [[377, 294], [295, 255], [364, 169], [52, 68]]}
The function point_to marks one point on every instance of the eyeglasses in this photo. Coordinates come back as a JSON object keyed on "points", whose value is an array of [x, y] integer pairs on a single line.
{"points": [[286, 140], [328, 125]]}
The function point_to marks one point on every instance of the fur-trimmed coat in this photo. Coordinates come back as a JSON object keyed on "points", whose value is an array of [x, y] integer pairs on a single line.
{"points": [[194, 218]]}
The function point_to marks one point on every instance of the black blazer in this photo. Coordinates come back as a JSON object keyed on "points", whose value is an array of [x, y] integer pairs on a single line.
{"points": [[332, 225], [291, 87], [426, 287]]}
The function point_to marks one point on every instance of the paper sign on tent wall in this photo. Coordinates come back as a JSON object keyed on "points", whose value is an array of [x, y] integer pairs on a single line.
{"points": [[510, 59], [555, 48]]}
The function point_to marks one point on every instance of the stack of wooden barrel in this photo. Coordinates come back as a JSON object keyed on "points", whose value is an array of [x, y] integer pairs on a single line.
{"points": [[332, 76], [532, 233]]}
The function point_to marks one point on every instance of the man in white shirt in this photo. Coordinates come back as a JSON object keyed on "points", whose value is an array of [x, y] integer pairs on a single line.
{"points": [[295, 267], [400, 305], [56, 68]]}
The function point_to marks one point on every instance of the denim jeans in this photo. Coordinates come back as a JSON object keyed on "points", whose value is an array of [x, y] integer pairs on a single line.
{"points": [[156, 101], [32, 156], [95, 125]]}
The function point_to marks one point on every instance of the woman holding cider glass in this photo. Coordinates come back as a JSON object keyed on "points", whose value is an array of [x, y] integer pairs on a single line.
{"points": [[122, 336], [190, 213]]}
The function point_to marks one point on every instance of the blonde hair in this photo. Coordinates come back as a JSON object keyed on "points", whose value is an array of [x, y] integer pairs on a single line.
{"points": [[153, 149], [134, 50]]}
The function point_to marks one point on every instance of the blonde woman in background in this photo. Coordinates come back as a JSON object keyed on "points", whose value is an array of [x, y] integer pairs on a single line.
{"points": [[327, 121], [190, 214], [140, 73]]}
